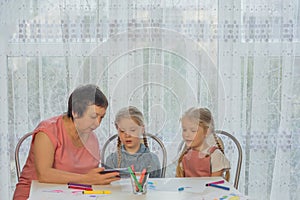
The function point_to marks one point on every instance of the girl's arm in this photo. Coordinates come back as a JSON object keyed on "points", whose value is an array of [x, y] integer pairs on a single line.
{"points": [[44, 159], [219, 163], [218, 173]]}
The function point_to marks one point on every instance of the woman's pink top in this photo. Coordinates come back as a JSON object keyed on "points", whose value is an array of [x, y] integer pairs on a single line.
{"points": [[67, 157]]}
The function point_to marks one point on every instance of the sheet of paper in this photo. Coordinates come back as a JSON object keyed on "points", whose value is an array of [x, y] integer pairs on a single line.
{"points": [[50, 192], [176, 185]]}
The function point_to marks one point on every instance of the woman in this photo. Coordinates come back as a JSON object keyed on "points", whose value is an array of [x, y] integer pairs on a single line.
{"points": [[64, 148]]}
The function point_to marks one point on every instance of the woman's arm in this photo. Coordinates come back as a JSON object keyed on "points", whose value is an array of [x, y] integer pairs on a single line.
{"points": [[44, 159]]}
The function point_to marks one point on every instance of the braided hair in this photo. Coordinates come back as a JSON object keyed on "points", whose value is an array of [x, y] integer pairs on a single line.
{"points": [[204, 118], [179, 168], [136, 115]]}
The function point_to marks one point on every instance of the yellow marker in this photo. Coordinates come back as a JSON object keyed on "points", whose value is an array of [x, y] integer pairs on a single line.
{"points": [[96, 192], [234, 198]]}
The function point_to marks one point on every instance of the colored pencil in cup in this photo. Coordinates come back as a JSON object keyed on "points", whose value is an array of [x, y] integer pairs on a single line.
{"points": [[135, 179], [132, 167], [142, 176]]}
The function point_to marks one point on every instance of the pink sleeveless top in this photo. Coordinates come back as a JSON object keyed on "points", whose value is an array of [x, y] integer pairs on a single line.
{"points": [[197, 164], [67, 157]]}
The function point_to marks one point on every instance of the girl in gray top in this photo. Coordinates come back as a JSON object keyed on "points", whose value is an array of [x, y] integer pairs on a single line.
{"points": [[132, 147]]}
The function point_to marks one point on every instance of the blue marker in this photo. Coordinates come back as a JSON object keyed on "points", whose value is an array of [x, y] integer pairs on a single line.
{"points": [[182, 188], [219, 186]]}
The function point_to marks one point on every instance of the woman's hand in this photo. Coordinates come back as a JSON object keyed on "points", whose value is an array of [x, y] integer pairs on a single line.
{"points": [[94, 177]]}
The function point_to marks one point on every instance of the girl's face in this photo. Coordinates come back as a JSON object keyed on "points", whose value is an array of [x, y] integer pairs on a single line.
{"points": [[130, 134], [193, 134], [90, 120]]}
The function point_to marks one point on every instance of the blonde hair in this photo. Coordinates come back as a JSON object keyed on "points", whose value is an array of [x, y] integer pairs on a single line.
{"points": [[136, 115], [204, 118]]}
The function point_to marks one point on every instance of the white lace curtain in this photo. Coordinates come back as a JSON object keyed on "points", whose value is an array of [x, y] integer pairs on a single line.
{"points": [[239, 58]]}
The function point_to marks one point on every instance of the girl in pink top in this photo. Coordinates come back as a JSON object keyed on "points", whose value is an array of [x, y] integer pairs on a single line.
{"points": [[64, 148], [198, 157]]}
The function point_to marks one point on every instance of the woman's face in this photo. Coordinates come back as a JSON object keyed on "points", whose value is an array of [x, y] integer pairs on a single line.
{"points": [[193, 134], [130, 133], [90, 120]]}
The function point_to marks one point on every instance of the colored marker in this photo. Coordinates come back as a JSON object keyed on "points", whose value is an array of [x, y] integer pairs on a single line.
{"points": [[79, 184], [132, 167], [79, 187], [217, 182], [135, 179], [219, 186], [97, 192], [145, 179], [182, 188], [142, 176]]}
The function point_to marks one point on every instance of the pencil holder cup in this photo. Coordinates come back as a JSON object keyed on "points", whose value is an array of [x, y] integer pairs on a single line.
{"points": [[139, 183]]}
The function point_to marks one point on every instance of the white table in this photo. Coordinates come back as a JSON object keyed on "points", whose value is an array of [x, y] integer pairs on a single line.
{"points": [[158, 188]]}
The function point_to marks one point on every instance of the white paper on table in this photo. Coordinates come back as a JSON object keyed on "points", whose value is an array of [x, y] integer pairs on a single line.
{"points": [[174, 184], [58, 193]]}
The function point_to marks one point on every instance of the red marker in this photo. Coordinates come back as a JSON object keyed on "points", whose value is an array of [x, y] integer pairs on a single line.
{"points": [[142, 176], [80, 184], [132, 167], [80, 187]]}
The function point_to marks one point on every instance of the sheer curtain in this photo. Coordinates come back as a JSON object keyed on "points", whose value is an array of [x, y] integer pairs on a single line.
{"points": [[238, 58]]}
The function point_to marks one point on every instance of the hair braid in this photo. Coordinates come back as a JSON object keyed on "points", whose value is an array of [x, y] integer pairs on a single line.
{"points": [[217, 139], [119, 145], [179, 168], [145, 141]]}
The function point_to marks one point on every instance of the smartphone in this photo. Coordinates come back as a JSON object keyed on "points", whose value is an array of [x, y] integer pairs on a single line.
{"points": [[123, 172]]}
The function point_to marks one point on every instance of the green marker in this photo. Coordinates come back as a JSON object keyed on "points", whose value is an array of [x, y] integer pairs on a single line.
{"points": [[135, 179]]}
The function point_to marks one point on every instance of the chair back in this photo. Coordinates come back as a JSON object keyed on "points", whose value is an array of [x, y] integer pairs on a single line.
{"points": [[233, 152], [156, 146], [232, 149], [22, 149]]}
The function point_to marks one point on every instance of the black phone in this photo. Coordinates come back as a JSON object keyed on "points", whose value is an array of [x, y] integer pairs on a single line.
{"points": [[123, 172]]}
